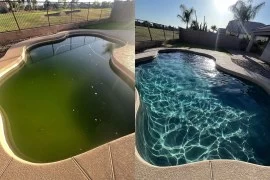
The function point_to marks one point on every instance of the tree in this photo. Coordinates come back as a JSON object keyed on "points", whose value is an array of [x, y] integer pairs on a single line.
{"points": [[194, 25], [74, 4], [34, 4], [96, 4], [157, 26], [214, 28], [185, 14], [28, 7], [244, 11], [106, 4], [64, 4], [146, 23], [47, 4]]}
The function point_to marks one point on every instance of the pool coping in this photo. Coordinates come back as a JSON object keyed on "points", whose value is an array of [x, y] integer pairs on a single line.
{"points": [[15, 58], [207, 169]]}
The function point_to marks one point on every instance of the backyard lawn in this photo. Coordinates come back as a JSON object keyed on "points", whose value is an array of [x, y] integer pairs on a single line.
{"points": [[38, 18], [142, 34], [112, 25]]}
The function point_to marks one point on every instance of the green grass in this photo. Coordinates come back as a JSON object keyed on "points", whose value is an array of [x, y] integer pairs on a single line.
{"points": [[142, 34], [112, 25], [33, 19]]}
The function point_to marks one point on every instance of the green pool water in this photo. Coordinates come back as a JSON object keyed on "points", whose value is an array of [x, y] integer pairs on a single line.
{"points": [[65, 100]]}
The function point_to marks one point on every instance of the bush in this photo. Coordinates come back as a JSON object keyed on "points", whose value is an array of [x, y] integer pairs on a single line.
{"points": [[28, 8], [243, 44], [3, 10]]}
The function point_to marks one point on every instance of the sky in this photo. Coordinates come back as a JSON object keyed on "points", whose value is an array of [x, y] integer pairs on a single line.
{"points": [[93, 0], [216, 12]]}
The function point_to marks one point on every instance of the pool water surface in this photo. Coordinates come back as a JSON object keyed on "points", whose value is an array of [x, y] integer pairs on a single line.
{"points": [[191, 112], [66, 100]]}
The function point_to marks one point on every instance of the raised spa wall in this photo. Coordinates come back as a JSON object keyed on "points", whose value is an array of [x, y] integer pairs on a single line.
{"points": [[208, 169], [113, 160]]}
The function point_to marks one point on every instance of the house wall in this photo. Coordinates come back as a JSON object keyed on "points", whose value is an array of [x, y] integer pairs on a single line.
{"points": [[266, 53], [209, 39]]}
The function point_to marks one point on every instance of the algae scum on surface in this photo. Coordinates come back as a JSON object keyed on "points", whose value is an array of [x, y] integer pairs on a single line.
{"points": [[65, 100], [191, 112]]}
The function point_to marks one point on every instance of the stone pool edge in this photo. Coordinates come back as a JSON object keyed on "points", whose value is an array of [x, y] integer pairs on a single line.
{"points": [[207, 169], [15, 58]]}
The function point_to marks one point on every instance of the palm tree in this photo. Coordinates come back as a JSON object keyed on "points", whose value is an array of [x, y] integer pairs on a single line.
{"points": [[214, 28], [244, 11], [185, 14]]}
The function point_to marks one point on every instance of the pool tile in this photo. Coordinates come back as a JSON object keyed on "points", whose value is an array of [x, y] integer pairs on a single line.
{"points": [[122, 151], [97, 163]]}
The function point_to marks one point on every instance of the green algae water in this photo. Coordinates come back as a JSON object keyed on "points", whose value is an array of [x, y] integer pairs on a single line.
{"points": [[66, 100]]}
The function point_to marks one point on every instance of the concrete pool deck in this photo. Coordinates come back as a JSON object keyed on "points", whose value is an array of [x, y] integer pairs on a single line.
{"points": [[113, 160], [208, 169]]}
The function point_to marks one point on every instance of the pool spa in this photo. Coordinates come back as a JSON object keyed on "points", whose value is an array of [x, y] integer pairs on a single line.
{"points": [[189, 112], [65, 100]]}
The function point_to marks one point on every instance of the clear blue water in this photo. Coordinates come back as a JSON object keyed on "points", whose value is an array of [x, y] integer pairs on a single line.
{"points": [[190, 112]]}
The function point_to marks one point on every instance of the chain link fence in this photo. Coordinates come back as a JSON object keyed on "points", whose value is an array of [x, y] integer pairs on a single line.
{"points": [[150, 31], [18, 15]]}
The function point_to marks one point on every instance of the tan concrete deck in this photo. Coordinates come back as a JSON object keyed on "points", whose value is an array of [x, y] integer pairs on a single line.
{"points": [[146, 56], [250, 62], [214, 169], [126, 56], [113, 160]]}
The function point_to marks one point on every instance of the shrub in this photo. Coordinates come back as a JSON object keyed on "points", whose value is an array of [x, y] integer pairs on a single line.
{"points": [[243, 44], [28, 8], [3, 10]]}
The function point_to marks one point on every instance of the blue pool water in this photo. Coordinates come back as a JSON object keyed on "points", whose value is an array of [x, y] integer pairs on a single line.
{"points": [[191, 112]]}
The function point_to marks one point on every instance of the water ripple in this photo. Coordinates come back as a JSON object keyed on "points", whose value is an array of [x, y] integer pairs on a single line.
{"points": [[191, 112]]}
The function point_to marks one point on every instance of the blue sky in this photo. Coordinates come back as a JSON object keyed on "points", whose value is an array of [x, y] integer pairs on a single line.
{"points": [[215, 11]]}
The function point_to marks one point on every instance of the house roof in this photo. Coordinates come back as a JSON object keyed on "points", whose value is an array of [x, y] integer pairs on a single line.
{"points": [[235, 26], [263, 30]]}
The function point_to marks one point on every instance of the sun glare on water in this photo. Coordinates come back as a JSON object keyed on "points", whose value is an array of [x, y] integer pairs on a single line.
{"points": [[223, 5]]}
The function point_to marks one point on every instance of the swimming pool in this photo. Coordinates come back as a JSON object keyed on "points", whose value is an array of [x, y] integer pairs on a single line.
{"points": [[65, 100], [191, 112]]}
